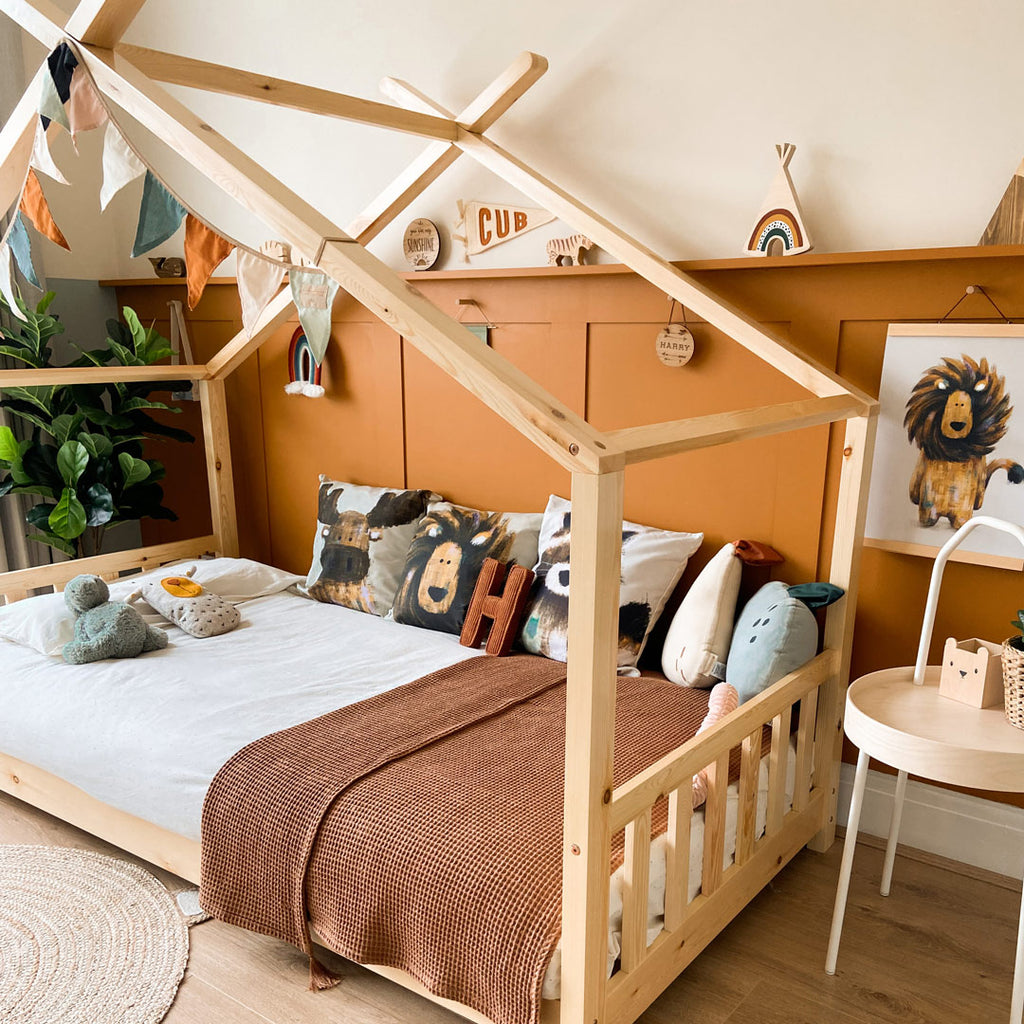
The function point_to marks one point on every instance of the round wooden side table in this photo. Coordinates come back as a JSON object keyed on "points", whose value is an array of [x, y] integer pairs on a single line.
{"points": [[917, 731]]}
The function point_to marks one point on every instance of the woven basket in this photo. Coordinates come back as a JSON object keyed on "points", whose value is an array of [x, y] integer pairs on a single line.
{"points": [[1013, 684]]}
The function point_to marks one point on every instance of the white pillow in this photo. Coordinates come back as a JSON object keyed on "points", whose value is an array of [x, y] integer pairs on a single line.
{"points": [[42, 623], [697, 643], [234, 579], [652, 562], [45, 624]]}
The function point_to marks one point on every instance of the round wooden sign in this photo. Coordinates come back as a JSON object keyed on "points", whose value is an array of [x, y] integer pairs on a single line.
{"points": [[675, 345], [422, 244]]}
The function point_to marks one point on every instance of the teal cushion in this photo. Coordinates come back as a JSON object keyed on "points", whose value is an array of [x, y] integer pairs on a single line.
{"points": [[775, 634]]}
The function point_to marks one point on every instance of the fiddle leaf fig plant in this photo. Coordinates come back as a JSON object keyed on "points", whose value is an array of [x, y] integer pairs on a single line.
{"points": [[83, 453]]}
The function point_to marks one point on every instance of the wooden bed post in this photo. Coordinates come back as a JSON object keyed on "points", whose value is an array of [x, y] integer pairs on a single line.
{"points": [[847, 541], [589, 742], [218, 465]]}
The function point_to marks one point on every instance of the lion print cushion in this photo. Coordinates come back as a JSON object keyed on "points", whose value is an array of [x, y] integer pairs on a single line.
{"points": [[652, 562], [446, 556], [362, 537]]}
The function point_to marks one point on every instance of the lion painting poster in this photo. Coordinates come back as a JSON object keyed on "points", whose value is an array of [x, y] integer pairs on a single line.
{"points": [[950, 444]]}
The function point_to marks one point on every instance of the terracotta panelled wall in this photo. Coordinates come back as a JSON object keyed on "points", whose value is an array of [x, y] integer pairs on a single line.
{"points": [[390, 417]]}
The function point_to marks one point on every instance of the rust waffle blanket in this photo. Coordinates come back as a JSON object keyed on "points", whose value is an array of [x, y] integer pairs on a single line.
{"points": [[422, 828]]}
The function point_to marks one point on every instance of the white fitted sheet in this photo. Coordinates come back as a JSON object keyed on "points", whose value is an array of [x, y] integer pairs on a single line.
{"points": [[147, 735]]}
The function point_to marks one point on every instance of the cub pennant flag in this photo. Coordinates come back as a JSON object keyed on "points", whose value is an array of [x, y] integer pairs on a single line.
{"points": [[486, 225]]}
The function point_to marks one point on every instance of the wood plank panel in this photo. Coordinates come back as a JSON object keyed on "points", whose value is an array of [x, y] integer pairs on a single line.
{"points": [[465, 451], [777, 766], [635, 879], [677, 855]]}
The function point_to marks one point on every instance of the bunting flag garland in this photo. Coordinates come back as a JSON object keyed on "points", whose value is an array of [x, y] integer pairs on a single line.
{"points": [[314, 294], [21, 248], [85, 110], [42, 158], [35, 207], [258, 282], [160, 216], [6, 284], [120, 165], [51, 106], [205, 250]]}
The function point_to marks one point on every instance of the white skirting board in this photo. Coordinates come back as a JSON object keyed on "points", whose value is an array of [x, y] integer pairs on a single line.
{"points": [[954, 825]]}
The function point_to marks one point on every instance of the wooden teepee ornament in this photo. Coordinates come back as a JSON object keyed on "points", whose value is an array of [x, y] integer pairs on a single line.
{"points": [[780, 230], [1007, 224]]}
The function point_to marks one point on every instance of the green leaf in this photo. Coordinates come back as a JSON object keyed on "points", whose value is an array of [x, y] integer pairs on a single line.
{"points": [[133, 470], [23, 355], [97, 445], [131, 318], [40, 397], [54, 542], [9, 448], [72, 460], [44, 303], [124, 356], [143, 403], [39, 515], [67, 520], [99, 505], [65, 425]]}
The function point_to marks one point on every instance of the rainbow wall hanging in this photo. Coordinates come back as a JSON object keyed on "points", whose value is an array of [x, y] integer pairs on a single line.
{"points": [[779, 229], [303, 369]]}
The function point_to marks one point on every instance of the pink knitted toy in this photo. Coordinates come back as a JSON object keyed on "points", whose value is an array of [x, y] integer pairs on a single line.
{"points": [[724, 699]]}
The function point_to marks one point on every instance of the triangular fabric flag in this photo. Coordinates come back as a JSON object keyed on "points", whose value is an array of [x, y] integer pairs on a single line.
{"points": [[205, 250], [160, 215], [120, 164], [489, 224], [62, 63], [51, 107], [6, 284], [21, 247], [314, 294], [258, 282], [85, 110], [42, 158], [36, 208]]}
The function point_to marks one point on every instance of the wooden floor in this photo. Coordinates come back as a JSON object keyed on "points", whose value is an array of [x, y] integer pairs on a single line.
{"points": [[940, 949]]}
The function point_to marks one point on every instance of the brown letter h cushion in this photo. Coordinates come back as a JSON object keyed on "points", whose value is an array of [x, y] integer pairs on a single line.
{"points": [[504, 609]]}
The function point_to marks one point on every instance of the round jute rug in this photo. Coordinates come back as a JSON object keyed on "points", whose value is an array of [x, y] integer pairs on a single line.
{"points": [[85, 939]]}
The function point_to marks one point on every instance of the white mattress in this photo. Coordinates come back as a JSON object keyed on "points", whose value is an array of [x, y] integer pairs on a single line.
{"points": [[147, 735]]}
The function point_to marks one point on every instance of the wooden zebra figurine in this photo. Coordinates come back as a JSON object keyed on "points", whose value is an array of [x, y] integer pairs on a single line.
{"points": [[570, 249]]}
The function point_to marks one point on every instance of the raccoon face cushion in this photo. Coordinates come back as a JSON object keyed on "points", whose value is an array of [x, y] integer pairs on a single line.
{"points": [[447, 554], [362, 537], [652, 562]]}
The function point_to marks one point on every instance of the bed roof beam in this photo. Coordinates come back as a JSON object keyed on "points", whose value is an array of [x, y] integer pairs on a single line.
{"points": [[818, 379], [641, 444], [61, 375], [102, 22], [554, 427], [498, 97], [173, 69]]}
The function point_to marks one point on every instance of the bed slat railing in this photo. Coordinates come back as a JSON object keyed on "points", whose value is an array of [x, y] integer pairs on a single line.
{"points": [[688, 925], [14, 586], [635, 884]]}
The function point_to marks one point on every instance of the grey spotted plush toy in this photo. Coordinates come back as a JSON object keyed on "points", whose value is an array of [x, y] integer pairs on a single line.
{"points": [[105, 628], [185, 603]]}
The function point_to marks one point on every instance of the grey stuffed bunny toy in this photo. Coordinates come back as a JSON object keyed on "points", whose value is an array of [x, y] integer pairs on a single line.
{"points": [[105, 628]]}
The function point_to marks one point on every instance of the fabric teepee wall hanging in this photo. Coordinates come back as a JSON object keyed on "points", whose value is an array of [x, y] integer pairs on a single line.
{"points": [[1007, 224], [780, 230]]}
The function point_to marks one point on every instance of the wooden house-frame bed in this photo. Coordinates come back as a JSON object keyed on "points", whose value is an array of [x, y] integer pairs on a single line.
{"points": [[594, 811]]}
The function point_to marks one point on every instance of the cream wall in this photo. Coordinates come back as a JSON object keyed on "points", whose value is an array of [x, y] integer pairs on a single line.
{"points": [[662, 113]]}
